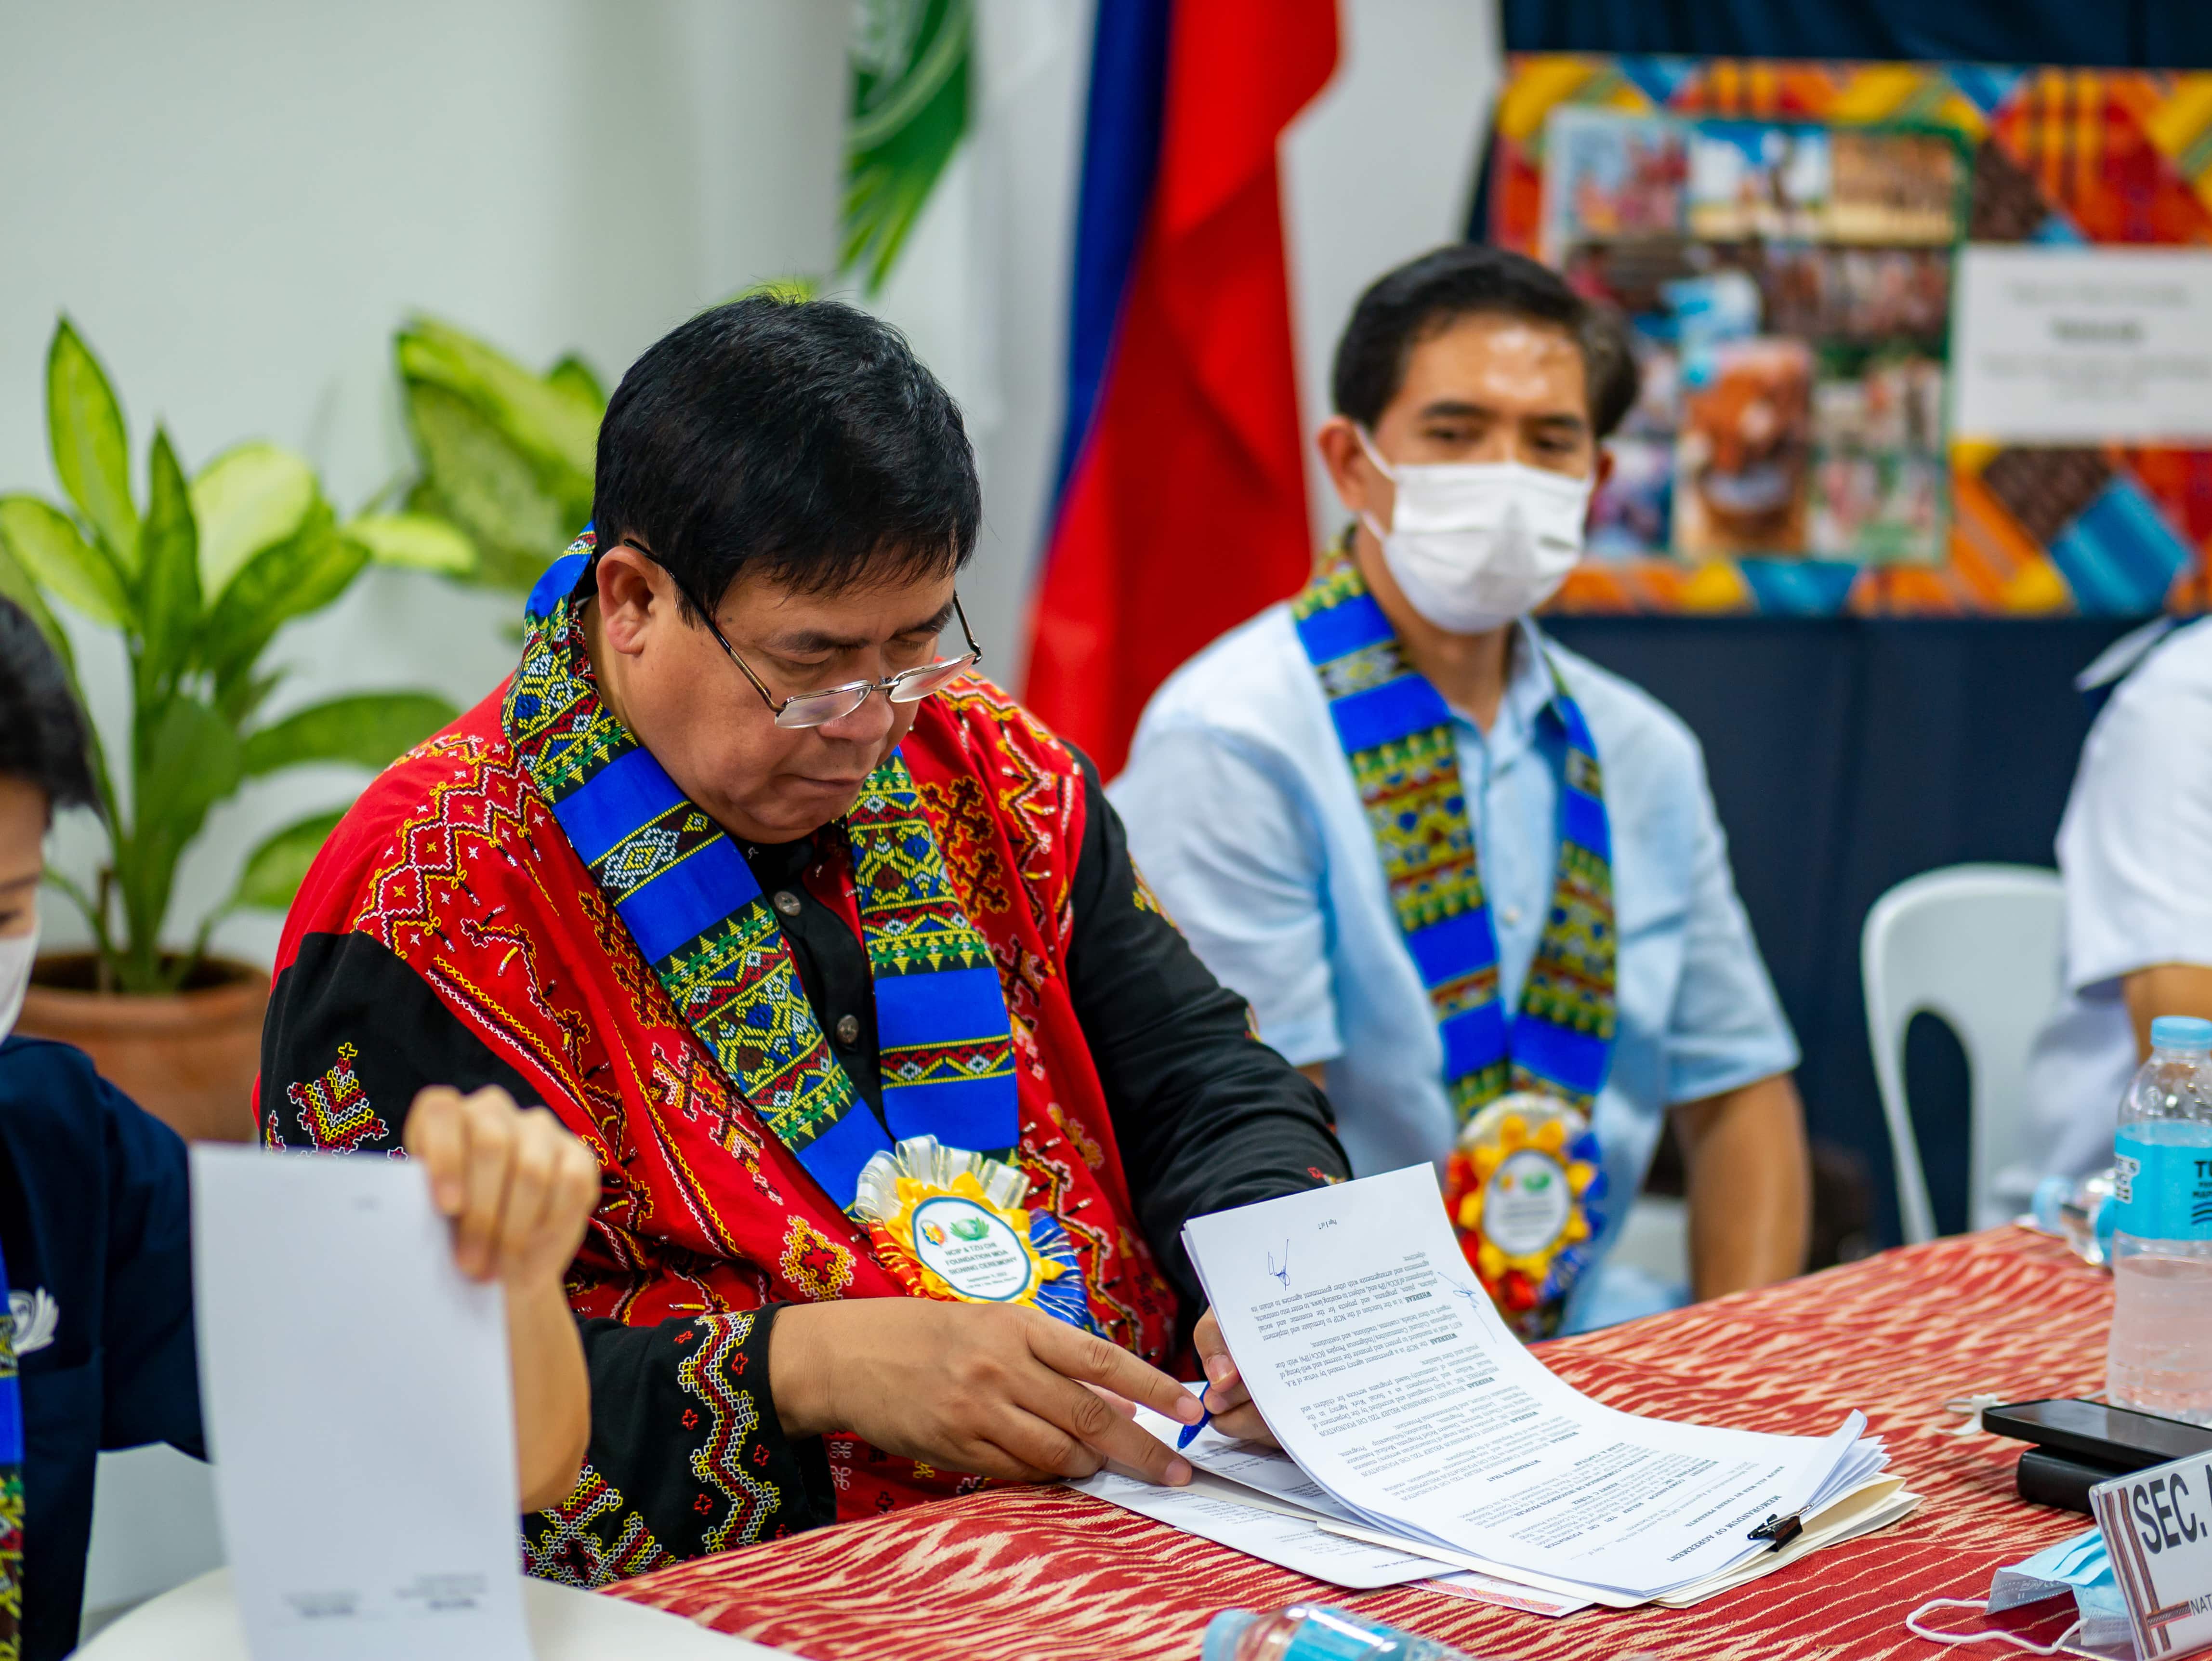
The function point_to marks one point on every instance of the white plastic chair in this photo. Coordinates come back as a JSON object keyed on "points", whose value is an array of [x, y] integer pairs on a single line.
{"points": [[153, 1527], [1977, 946]]}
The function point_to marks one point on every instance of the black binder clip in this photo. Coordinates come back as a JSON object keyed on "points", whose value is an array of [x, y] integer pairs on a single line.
{"points": [[1781, 1530]]}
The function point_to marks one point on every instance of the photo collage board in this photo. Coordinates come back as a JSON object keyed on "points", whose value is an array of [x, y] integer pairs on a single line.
{"points": [[1784, 238]]}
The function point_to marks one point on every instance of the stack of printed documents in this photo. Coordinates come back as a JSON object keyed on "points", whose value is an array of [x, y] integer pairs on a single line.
{"points": [[1419, 1437]]}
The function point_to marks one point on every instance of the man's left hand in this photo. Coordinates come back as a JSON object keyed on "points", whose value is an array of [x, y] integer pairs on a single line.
{"points": [[1226, 1396]]}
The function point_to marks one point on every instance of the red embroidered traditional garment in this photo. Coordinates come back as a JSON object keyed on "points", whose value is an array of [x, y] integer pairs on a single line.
{"points": [[453, 865]]}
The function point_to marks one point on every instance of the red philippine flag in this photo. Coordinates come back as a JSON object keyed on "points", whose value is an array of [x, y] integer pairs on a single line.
{"points": [[1181, 508]]}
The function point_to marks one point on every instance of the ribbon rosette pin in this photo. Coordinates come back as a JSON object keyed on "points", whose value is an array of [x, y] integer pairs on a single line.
{"points": [[950, 1224], [1521, 1188]]}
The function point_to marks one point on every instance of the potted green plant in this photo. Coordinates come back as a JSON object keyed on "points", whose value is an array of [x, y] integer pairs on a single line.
{"points": [[196, 577], [505, 453]]}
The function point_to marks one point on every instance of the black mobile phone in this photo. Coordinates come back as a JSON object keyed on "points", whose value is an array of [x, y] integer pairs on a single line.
{"points": [[2090, 1430]]}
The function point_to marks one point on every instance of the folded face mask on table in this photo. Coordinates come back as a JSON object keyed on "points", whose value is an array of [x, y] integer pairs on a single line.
{"points": [[2080, 1564]]}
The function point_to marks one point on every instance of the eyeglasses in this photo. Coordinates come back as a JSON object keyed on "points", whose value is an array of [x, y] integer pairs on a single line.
{"points": [[835, 702]]}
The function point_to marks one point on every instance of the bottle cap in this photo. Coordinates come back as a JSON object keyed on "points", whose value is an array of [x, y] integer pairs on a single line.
{"points": [[2180, 1032]]}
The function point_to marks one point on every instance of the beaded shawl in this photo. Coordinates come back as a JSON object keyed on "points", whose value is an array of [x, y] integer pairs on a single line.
{"points": [[699, 918], [1396, 733]]}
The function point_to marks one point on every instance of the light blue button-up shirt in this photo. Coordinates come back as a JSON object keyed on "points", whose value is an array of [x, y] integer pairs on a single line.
{"points": [[1242, 814]]}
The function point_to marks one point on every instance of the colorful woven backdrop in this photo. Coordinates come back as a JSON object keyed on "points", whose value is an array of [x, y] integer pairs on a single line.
{"points": [[1783, 236]]}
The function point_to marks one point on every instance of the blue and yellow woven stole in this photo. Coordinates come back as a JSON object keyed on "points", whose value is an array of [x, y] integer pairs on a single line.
{"points": [[1396, 733], [698, 916], [11, 1485]]}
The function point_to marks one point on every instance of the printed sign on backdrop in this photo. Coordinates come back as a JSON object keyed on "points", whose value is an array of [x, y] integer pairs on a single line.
{"points": [[1791, 242], [2079, 345], [2158, 1527]]}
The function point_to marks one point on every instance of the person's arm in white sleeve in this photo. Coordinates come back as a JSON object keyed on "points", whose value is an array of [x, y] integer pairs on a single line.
{"points": [[1230, 847], [2136, 847], [1730, 1059]]}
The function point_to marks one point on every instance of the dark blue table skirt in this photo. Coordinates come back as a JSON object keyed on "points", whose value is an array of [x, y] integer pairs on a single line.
{"points": [[1846, 755]]}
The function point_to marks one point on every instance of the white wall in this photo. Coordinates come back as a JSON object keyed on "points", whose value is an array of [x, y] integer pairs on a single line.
{"points": [[1380, 167], [981, 289], [237, 200]]}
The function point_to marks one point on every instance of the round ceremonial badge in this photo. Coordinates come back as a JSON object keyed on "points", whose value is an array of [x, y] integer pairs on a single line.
{"points": [[1522, 1187], [973, 1250], [948, 1223], [1527, 1203]]}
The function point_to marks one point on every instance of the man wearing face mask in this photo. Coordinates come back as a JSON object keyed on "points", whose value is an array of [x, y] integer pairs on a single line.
{"points": [[1471, 881]]}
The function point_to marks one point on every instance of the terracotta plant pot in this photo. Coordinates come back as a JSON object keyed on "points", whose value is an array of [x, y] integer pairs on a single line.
{"points": [[188, 1057]]}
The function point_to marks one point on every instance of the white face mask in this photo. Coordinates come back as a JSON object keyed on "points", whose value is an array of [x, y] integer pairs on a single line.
{"points": [[16, 953], [1476, 545]]}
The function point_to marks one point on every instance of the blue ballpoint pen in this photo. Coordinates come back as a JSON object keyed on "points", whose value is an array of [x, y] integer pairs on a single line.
{"points": [[1190, 1432]]}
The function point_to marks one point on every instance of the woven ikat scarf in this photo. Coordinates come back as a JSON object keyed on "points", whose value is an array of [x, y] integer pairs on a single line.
{"points": [[1396, 733], [700, 919]]}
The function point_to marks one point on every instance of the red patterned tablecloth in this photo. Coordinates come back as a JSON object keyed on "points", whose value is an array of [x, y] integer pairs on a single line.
{"points": [[1039, 1574]]}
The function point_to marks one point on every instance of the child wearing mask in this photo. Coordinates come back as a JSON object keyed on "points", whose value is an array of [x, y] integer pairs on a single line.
{"points": [[96, 1351]]}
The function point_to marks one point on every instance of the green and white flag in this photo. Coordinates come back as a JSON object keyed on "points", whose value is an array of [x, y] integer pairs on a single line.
{"points": [[910, 67], [963, 149]]}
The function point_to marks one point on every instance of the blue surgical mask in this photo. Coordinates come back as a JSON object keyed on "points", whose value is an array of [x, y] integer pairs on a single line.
{"points": [[2080, 1564]]}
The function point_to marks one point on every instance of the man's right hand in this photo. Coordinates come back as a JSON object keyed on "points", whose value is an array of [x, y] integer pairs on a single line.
{"points": [[998, 1389]]}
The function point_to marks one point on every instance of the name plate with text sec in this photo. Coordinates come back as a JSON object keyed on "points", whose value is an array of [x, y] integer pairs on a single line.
{"points": [[2158, 1526]]}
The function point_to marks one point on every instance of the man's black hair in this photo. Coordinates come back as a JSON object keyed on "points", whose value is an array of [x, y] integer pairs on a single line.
{"points": [[41, 729], [802, 440], [1423, 297]]}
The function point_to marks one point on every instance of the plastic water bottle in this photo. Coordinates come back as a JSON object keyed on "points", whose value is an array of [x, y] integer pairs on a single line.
{"points": [[1315, 1631], [2081, 1213], [2160, 1360]]}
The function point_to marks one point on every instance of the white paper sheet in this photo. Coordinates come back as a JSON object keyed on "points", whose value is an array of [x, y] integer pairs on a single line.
{"points": [[1313, 1526], [1876, 1505], [1380, 1362], [1214, 1510], [354, 1387], [1274, 1477]]}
